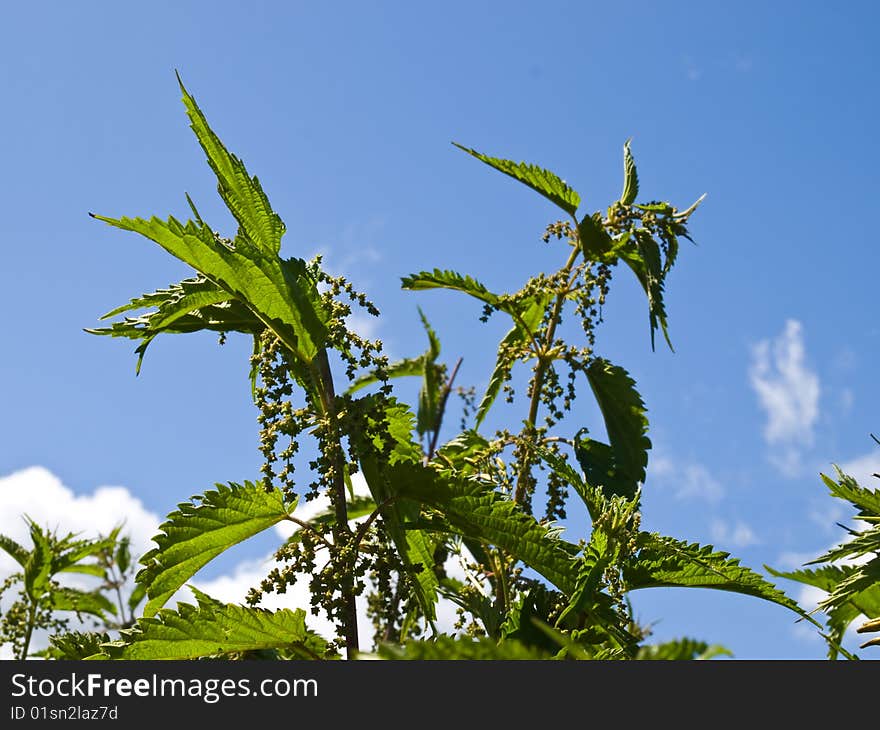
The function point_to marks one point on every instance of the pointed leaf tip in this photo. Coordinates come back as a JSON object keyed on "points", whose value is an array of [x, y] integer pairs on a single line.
{"points": [[630, 176], [542, 181]]}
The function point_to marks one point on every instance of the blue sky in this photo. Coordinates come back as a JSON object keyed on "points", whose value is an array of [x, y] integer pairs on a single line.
{"points": [[346, 113]]}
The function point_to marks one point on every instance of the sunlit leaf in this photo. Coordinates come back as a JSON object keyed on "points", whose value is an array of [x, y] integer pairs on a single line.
{"points": [[546, 183], [215, 629], [198, 532]]}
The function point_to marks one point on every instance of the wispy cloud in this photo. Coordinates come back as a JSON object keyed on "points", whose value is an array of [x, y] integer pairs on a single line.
{"points": [[691, 70], [690, 480], [788, 391], [737, 535]]}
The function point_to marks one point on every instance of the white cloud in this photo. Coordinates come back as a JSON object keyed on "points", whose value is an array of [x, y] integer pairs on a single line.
{"points": [[697, 482], [738, 535], [862, 469], [789, 393], [42, 496], [688, 481]]}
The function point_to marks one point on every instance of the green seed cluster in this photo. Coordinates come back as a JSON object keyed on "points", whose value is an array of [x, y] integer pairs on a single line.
{"points": [[18, 616], [336, 559]]}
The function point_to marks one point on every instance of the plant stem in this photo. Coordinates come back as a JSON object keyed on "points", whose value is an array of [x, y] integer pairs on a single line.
{"points": [[538, 381], [32, 618], [341, 530], [117, 585], [440, 409]]}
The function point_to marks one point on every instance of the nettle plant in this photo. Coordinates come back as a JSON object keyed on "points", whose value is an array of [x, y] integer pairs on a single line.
{"points": [[849, 573], [42, 602], [328, 412]]}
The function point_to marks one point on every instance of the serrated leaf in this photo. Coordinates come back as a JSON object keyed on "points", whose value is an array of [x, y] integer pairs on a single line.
{"points": [[122, 556], [280, 292], [477, 511], [138, 593], [94, 603], [600, 468], [439, 279], [666, 562], [14, 550], [465, 648], [528, 318], [242, 193], [400, 369], [195, 534], [841, 614], [464, 452], [846, 487], [682, 649], [69, 553], [589, 494], [177, 300], [94, 569], [77, 645], [643, 257], [433, 340], [621, 466], [215, 629], [548, 184], [595, 242], [630, 177], [38, 566], [412, 546]]}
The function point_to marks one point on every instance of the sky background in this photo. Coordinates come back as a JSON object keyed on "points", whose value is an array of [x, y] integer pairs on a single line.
{"points": [[346, 112]]}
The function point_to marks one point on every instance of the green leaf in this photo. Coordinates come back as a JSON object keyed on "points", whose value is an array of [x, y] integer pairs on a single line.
{"points": [[94, 569], [666, 562], [842, 613], [526, 322], [643, 257], [682, 649], [589, 493], [77, 645], [864, 578], [198, 532], [630, 177], [215, 629], [477, 511], [595, 242], [433, 341], [14, 550], [413, 547], [463, 453], [281, 292], [546, 183], [846, 487], [466, 648], [69, 553], [242, 193], [620, 467], [38, 566], [138, 593], [439, 279], [607, 540], [122, 556], [399, 369], [94, 603], [177, 300]]}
